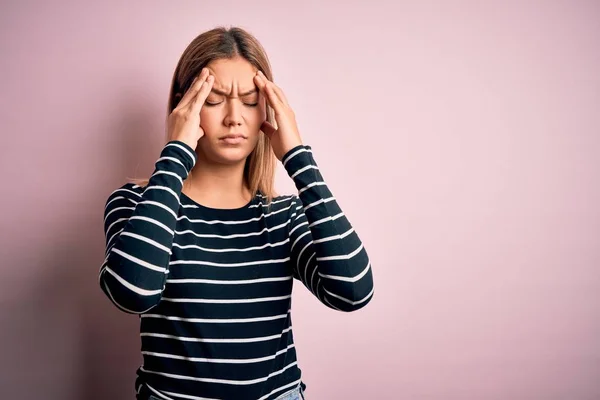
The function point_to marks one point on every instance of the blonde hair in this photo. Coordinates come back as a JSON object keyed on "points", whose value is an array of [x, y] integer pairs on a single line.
{"points": [[223, 43]]}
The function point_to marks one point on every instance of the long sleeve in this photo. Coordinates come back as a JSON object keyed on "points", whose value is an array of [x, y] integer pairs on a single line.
{"points": [[139, 228], [326, 252]]}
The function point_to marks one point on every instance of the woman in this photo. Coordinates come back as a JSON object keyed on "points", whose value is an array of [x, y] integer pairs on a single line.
{"points": [[205, 251]]}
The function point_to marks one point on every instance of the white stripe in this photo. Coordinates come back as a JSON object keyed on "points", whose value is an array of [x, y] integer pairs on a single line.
{"points": [[229, 265], [216, 221], [184, 149], [191, 246], [125, 190], [205, 340], [298, 226], [114, 223], [346, 279], [111, 238], [225, 381], [117, 304], [326, 219], [226, 301], [138, 261], [133, 288], [343, 256], [150, 241], [172, 159], [161, 205], [300, 255], [335, 237], [329, 303], [316, 203], [162, 396], [217, 320], [120, 198], [267, 204], [312, 277], [237, 235], [165, 188], [155, 222], [345, 300], [304, 169], [159, 172], [294, 154], [305, 188], [298, 238], [117, 209], [232, 282], [307, 264], [220, 360]]}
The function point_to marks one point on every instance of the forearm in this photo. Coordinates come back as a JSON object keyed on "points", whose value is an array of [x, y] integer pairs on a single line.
{"points": [[330, 258], [140, 231]]}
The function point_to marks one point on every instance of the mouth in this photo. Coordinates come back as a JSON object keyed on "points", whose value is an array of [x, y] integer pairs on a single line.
{"points": [[233, 138]]}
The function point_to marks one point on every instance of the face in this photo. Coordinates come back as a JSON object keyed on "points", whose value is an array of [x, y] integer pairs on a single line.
{"points": [[234, 107]]}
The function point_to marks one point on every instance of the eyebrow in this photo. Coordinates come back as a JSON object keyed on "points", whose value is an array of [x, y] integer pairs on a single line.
{"points": [[217, 91]]}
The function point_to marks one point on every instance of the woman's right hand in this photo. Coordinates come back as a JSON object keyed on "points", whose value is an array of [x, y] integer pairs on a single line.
{"points": [[184, 120]]}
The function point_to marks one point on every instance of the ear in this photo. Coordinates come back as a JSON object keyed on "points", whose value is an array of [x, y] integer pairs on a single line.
{"points": [[268, 129]]}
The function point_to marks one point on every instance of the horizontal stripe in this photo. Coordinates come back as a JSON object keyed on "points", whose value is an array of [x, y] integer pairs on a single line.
{"points": [[233, 222], [345, 278], [217, 320], [220, 360], [227, 301], [229, 250], [230, 265], [224, 381], [232, 282], [209, 340]]}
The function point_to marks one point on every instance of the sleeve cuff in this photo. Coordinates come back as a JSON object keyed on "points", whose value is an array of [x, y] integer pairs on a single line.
{"points": [[183, 152], [299, 157]]}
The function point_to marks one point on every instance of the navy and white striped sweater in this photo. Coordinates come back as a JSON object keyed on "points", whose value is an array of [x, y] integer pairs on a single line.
{"points": [[213, 286]]}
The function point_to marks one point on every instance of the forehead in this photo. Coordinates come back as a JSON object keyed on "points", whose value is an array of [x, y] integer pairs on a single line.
{"points": [[235, 73]]}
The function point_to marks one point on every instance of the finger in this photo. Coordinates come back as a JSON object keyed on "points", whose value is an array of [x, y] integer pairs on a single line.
{"points": [[191, 93], [203, 93], [271, 96], [276, 88]]}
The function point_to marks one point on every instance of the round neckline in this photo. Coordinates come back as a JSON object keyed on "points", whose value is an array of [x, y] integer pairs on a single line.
{"points": [[219, 211]]}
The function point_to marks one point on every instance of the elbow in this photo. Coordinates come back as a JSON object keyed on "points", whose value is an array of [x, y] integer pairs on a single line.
{"points": [[356, 303], [352, 300], [124, 298]]}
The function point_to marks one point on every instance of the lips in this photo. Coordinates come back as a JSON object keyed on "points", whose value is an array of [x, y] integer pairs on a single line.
{"points": [[233, 138]]}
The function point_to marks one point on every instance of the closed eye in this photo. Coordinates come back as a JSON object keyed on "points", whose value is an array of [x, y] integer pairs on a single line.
{"points": [[216, 104]]}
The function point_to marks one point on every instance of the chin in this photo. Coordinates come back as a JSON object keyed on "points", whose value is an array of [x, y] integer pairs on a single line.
{"points": [[228, 155]]}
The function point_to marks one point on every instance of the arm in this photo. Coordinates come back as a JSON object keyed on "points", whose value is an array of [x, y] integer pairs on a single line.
{"points": [[139, 231], [327, 254]]}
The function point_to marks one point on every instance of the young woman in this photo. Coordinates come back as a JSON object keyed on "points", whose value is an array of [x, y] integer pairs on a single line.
{"points": [[205, 251]]}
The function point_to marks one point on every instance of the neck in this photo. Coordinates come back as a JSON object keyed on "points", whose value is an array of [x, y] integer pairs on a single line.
{"points": [[218, 185]]}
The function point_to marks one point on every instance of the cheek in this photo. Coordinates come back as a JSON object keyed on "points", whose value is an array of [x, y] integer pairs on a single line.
{"points": [[208, 120]]}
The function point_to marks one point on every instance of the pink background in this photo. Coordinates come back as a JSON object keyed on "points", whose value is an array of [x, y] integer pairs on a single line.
{"points": [[462, 139]]}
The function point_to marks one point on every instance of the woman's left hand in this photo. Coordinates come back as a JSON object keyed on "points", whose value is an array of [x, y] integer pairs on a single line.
{"points": [[286, 136]]}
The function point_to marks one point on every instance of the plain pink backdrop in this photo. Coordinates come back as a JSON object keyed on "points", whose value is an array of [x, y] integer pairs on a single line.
{"points": [[462, 139]]}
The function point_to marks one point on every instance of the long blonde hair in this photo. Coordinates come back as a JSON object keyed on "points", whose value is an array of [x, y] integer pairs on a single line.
{"points": [[223, 43]]}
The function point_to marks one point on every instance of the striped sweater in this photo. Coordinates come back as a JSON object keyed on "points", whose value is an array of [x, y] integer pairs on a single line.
{"points": [[212, 287]]}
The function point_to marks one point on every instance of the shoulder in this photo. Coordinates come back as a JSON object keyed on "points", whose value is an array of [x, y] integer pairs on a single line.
{"points": [[128, 192]]}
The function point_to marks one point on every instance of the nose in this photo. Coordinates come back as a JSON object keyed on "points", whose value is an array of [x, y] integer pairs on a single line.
{"points": [[234, 113]]}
